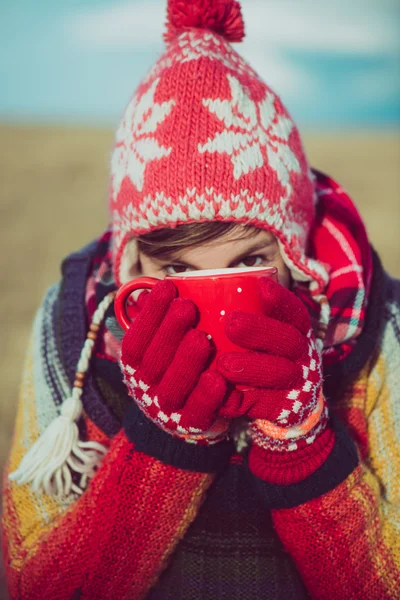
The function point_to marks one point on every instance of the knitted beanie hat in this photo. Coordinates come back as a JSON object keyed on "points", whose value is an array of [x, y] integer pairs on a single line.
{"points": [[205, 139]]}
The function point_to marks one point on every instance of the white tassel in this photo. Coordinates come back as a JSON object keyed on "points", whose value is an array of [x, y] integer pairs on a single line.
{"points": [[49, 463], [46, 464]]}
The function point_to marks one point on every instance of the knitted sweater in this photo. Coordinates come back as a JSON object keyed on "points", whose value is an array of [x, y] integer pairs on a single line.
{"points": [[163, 520]]}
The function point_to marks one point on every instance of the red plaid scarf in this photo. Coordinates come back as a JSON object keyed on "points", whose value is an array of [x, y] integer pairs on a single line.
{"points": [[338, 240]]}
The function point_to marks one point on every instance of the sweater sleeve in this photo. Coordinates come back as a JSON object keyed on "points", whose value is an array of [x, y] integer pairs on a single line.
{"points": [[111, 542], [345, 537]]}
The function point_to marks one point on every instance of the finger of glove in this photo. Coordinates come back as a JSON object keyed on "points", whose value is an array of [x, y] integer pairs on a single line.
{"points": [[181, 316], [202, 405], [281, 304], [140, 334], [142, 299], [259, 370], [255, 331], [236, 405], [276, 406], [184, 372], [258, 404]]}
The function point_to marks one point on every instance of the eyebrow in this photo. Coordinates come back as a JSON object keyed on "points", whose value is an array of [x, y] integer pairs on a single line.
{"points": [[255, 248]]}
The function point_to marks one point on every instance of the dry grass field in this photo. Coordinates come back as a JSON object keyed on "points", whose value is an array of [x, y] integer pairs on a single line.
{"points": [[53, 200]]}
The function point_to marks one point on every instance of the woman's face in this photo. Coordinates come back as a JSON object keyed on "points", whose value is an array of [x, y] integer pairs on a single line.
{"points": [[256, 250]]}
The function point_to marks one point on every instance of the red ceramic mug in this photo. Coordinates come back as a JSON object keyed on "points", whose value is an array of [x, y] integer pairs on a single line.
{"points": [[215, 292]]}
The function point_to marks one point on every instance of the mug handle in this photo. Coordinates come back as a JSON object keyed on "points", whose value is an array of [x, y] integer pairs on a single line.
{"points": [[143, 283]]}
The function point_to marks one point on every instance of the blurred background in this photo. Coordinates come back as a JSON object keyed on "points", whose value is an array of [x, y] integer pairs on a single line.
{"points": [[67, 69]]}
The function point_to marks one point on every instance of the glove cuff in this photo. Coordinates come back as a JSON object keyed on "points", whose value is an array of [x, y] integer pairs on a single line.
{"points": [[340, 463], [171, 450], [284, 467]]}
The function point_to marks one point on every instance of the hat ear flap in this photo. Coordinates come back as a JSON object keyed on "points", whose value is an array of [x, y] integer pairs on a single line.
{"points": [[128, 265]]}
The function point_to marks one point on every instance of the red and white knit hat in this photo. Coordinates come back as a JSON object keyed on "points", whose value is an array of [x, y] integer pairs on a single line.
{"points": [[205, 139]]}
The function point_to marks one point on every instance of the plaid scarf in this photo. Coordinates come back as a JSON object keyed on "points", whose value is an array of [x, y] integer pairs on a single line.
{"points": [[338, 240]]}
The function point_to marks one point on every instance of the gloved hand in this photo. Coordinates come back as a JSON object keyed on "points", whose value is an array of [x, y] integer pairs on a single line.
{"points": [[164, 362], [287, 408]]}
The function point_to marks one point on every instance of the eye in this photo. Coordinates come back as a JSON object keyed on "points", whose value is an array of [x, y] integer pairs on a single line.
{"points": [[175, 269], [251, 261]]}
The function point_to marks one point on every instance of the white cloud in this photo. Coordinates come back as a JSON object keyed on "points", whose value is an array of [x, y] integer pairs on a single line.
{"points": [[340, 26]]}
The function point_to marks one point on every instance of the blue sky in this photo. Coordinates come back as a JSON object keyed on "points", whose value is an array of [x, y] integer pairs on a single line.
{"points": [[334, 63]]}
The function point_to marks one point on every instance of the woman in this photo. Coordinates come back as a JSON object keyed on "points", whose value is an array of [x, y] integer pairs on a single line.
{"points": [[138, 471]]}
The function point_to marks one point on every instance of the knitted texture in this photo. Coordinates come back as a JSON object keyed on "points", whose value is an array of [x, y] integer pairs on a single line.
{"points": [[231, 550], [283, 469], [40, 532], [164, 360], [114, 541], [282, 366], [205, 139], [286, 403]]}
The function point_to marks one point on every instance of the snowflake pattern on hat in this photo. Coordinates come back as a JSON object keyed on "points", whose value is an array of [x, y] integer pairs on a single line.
{"points": [[191, 47], [251, 130], [136, 144]]}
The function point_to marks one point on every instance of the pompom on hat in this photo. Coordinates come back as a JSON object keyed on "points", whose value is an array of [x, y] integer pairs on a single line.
{"points": [[205, 139], [224, 18]]}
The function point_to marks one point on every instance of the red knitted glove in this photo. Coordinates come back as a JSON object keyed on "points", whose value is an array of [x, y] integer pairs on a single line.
{"points": [[164, 359], [290, 416]]}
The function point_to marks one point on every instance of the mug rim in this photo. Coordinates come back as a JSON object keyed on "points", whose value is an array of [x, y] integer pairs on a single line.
{"points": [[224, 273]]}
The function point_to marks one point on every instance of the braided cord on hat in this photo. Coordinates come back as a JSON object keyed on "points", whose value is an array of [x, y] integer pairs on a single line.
{"points": [[58, 453]]}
